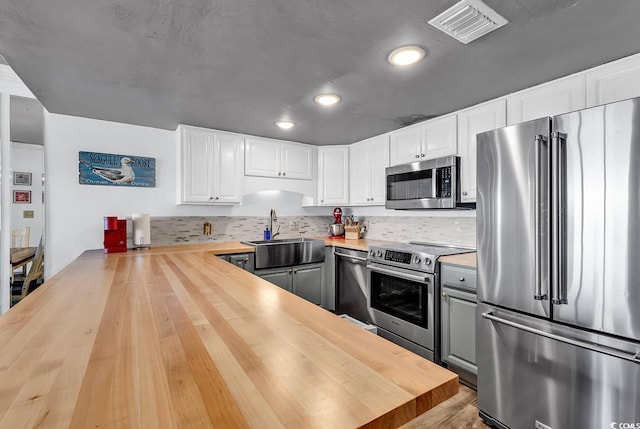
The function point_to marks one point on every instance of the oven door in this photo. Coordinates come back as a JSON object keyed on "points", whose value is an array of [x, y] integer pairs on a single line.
{"points": [[402, 302]]}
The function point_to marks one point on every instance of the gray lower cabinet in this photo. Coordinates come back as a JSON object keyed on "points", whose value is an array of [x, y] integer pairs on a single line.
{"points": [[242, 260], [306, 281], [458, 318], [281, 277]]}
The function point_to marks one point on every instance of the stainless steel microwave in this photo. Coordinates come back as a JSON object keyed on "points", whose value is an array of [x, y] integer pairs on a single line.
{"points": [[430, 184]]}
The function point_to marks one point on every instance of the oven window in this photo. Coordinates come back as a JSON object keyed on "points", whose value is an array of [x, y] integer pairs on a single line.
{"points": [[404, 299]]}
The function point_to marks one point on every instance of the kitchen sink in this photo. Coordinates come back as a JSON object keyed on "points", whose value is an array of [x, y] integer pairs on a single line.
{"points": [[286, 252]]}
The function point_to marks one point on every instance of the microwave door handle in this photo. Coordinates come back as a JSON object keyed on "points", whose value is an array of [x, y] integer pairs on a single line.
{"points": [[434, 184]]}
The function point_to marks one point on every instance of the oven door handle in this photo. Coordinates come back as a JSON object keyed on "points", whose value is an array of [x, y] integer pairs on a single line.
{"points": [[394, 273]]}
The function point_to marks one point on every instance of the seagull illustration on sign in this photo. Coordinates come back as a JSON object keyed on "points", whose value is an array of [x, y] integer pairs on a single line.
{"points": [[124, 174]]}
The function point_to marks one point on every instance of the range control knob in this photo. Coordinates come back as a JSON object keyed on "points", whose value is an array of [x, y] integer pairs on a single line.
{"points": [[428, 261], [379, 253], [416, 259], [372, 252]]}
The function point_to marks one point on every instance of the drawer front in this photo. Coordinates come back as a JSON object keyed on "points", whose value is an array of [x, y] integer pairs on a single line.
{"points": [[454, 275]]}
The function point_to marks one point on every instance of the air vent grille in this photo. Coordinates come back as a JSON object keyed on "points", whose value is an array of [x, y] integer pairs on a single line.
{"points": [[467, 20]]}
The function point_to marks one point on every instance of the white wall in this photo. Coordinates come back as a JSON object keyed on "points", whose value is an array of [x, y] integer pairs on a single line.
{"points": [[74, 218], [28, 158]]}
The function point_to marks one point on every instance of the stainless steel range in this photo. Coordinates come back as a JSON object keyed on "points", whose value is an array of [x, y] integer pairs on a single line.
{"points": [[402, 286]]}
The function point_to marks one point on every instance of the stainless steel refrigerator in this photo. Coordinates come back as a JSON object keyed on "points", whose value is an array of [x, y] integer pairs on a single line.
{"points": [[558, 237]]}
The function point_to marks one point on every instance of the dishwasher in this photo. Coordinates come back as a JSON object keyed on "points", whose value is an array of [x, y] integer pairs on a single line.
{"points": [[351, 284]]}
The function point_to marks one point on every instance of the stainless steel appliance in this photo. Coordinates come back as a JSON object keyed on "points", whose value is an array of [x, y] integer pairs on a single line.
{"points": [[402, 286], [351, 284], [558, 235], [431, 184]]}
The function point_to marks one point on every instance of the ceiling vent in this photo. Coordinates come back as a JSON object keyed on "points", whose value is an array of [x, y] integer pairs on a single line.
{"points": [[467, 20]]}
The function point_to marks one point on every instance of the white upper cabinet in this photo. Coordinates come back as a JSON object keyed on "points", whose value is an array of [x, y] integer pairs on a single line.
{"points": [[367, 162], [484, 117], [210, 166], [333, 175], [614, 81], [426, 140], [275, 158], [554, 98]]}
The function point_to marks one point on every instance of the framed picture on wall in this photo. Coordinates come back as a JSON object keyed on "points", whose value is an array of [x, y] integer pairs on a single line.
{"points": [[22, 197], [21, 178]]}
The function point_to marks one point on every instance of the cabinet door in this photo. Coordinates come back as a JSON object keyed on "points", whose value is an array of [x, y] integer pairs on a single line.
{"points": [[458, 316], [243, 260], [367, 162], [307, 283], [280, 278], [406, 144], [614, 82], [440, 138], [196, 165], [471, 122], [333, 175], [228, 165], [378, 162], [296, 161], [557, 97], [360, 173], [262, 157]]}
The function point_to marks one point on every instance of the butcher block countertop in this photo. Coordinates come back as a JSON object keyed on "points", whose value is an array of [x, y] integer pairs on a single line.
{"points": [[175, 337], [464, 259]]}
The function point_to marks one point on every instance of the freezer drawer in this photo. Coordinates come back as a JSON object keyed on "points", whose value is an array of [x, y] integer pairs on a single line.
{"points": [[526, 380]]}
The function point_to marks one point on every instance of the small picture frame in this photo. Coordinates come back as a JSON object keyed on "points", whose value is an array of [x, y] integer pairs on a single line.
{"points": [[22, 197], [21, 178]]}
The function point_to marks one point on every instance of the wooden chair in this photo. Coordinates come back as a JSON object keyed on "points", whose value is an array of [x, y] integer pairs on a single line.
{"points": [[36, 272], [20, 237]]}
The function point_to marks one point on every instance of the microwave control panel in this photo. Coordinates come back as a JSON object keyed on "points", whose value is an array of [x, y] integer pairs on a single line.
{"points": [[444, 182]]}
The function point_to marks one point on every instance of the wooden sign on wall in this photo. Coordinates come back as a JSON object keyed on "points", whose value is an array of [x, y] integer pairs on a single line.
{"points": [[116, 170]]}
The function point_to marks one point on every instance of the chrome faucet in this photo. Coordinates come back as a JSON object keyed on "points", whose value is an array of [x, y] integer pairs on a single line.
{"points": [[272, 218]]}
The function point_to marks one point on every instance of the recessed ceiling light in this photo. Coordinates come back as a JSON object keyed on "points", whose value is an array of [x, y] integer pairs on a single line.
{"points": [[284, 124], [406, 55], [327, 99]]}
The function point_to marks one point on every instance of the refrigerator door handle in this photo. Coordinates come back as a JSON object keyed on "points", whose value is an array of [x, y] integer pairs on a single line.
{"points": [[557, 219], [630, 356], [538, 293]]}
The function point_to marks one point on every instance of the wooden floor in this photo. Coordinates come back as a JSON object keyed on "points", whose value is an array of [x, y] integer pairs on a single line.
{"points": [[459, 412]]}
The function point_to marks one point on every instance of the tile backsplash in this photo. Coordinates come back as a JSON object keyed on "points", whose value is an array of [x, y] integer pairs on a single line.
{"points": [[190, 229]]}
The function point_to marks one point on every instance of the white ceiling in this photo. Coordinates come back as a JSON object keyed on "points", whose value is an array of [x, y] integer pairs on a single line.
{"points": [[239, 65]]}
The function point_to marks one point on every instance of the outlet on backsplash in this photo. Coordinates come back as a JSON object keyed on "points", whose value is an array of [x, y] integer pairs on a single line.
{"points": [[293, 225]]}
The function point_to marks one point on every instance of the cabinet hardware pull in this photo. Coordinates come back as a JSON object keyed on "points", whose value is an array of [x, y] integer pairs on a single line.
{"points": [[461, 279], [417, 156], [284, 173], [464, 192], [422, 155], [279, 173], [444, 294]]}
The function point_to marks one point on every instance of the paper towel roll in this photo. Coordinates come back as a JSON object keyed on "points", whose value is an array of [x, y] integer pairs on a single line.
{"points": [[141, 229]]}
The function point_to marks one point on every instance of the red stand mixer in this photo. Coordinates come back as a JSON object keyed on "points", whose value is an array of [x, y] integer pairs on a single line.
{"points": [[336, 230]]}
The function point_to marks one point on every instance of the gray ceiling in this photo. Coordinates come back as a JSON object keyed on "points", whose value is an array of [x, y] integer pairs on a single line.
{"points": [[239, 65]]}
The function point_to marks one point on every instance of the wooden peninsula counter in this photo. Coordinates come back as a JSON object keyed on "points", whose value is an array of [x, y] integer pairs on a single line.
{"points": [[175, 337]]}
